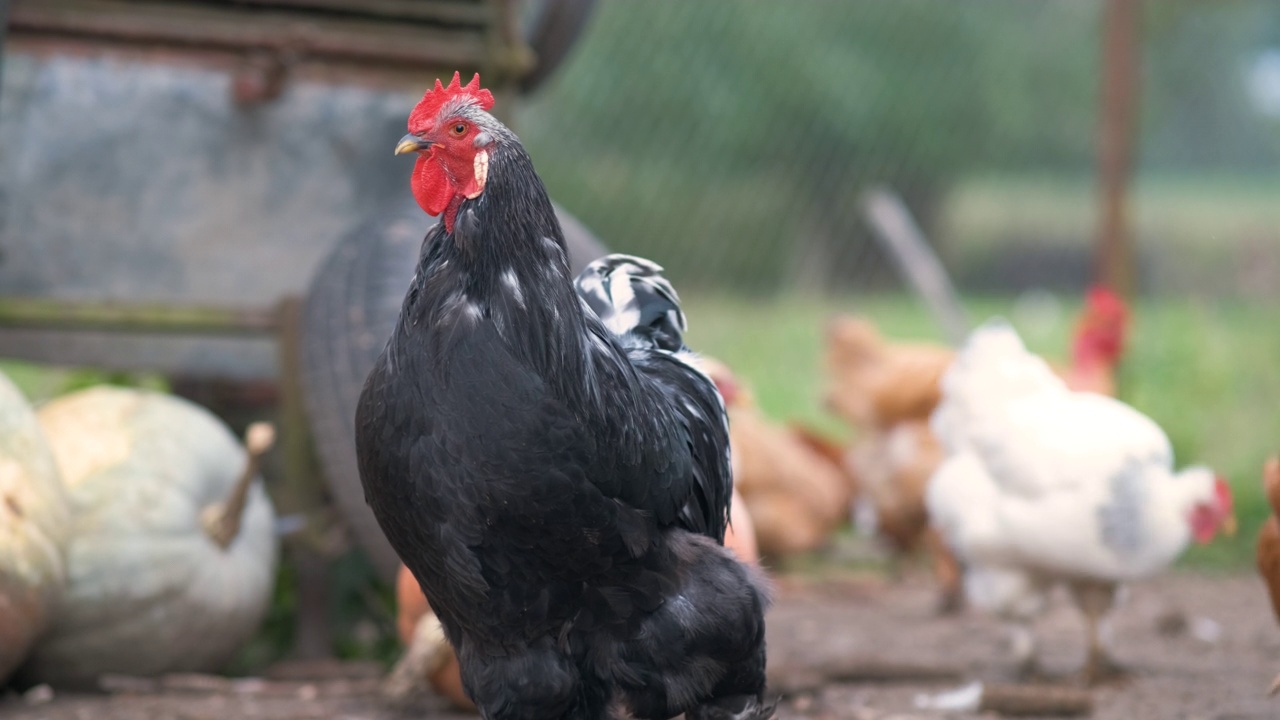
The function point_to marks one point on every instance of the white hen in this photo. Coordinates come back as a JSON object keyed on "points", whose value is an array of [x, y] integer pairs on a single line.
{"points": [[1043, 485]]}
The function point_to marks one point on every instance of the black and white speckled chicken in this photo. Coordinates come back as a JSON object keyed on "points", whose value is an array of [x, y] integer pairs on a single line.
{"points": [[548, 465]]}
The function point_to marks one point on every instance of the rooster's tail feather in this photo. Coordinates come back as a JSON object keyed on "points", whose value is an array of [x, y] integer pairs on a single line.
{"points": [[630, 295]]}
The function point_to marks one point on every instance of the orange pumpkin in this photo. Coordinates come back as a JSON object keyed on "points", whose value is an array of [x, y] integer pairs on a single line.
{"points": [[411, 604], [411, 607], [740, 536]]}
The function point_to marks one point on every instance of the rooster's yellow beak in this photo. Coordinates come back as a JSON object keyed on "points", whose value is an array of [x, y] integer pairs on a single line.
{"points": [[411, 143], [1230, 526]]}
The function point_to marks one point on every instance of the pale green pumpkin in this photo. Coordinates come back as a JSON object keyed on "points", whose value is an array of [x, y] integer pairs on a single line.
{"points": [[34, 521], [163, 576]]}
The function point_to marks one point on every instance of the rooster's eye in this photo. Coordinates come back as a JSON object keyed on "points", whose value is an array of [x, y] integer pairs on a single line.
{"points": [[458, 130]]}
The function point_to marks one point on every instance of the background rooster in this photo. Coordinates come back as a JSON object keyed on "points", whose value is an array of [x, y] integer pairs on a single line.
{"points": [[1043, 485], [551, 471], [1098, 343], [887, 390]]}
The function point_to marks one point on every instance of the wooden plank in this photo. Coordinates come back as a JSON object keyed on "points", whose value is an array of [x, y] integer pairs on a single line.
{"points": [[238, 30], [448, 11], [302, 492], [1117, 131], [134, 318], [902, 238]]}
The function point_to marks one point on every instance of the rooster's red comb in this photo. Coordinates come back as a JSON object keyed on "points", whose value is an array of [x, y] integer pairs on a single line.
{"points": [[426, 110], [1102, 300]]}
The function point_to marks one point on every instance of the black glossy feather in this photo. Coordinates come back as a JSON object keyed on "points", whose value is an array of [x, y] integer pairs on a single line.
{"points": [[549, 481], [639, 305]]}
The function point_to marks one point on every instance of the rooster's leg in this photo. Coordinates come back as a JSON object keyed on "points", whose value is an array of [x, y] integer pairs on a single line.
{"points": [[1099, 666], [948, 573], [1095, 600]]}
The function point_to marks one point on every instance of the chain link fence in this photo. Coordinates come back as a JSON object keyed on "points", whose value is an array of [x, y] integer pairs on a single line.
{"points": [[731, 141]]}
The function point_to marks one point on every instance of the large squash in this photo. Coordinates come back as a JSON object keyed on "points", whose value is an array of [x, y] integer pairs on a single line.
{"points": [[172, 554], [428, 655], [34, 521]]}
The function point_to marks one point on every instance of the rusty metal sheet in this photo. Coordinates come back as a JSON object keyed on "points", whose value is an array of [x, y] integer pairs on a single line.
{"points": [[128, 176], [383, 39], [134, 182]]}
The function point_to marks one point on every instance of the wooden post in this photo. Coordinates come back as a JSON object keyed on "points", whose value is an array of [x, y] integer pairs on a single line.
{"points": [[1116, 133], [901, 236], [302, 494]]}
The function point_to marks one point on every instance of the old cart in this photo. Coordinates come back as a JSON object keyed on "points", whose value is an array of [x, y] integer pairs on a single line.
{"points": [[206, 189]]}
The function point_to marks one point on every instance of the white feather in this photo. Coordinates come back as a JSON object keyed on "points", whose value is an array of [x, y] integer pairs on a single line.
{"points": [[1042, 480], [513, 285]]}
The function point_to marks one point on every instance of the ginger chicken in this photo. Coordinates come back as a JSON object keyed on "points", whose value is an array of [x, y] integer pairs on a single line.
{"points": [[895, 465], [1269, 542], [875, 382], [888, 389], [795, 495]]}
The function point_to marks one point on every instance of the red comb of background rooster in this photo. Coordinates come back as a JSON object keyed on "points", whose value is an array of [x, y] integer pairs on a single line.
{"points": [[1105, 302], [1102, 330], [435, 98]]}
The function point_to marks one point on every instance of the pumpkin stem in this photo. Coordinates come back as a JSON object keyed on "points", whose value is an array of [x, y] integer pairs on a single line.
{"points": [[222, 521]]}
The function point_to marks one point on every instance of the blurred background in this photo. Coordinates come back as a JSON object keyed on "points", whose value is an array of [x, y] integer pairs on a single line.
{"points": [[733, 143]]}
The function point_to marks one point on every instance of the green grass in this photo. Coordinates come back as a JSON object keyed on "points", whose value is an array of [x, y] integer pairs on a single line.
{"points": [[1208, 372]]}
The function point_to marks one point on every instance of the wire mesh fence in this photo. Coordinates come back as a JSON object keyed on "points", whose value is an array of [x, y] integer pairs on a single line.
{"points": [[731, 141]]}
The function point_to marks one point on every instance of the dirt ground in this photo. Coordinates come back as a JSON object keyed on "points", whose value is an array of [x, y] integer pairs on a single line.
{"points": [[1199, 647]]}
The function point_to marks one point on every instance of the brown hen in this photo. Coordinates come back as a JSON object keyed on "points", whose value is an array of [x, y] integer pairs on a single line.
{"points": [[887, 390], [875, 382], [1269, 542], [794, 494]]}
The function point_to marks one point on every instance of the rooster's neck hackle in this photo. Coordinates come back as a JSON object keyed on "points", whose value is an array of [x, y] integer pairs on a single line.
{"points": [[504, 263]]}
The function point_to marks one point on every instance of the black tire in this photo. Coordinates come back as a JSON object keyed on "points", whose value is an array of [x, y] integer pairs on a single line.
{"points": [[351, 308], [551, 33]]}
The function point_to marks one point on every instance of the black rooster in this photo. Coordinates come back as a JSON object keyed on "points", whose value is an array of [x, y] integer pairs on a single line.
{"points": [[559, 486]]}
